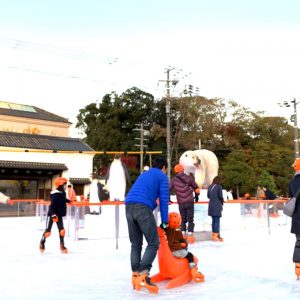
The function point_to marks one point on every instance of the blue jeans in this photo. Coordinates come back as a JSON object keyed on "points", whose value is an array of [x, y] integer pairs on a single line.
{"points": [[215, 224], [141, 223], [296, 256]]}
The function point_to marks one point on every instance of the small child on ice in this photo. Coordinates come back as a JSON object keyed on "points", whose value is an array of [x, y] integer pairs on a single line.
{"points": [[57, 210], [178, 245], [185, 187]]}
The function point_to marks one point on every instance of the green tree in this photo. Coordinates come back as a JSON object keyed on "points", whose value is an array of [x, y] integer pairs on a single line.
{"points": [[267, 180], [238, 174], [110, 125]]}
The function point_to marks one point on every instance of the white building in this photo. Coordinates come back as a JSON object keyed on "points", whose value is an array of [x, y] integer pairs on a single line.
{"points": [[35, 148]]}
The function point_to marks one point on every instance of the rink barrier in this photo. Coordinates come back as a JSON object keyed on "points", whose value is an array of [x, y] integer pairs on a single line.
{"points": [[79, 206], [77, 209]]}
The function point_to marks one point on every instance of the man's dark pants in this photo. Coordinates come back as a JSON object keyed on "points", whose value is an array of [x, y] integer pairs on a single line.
{"points": [[141, 223]]}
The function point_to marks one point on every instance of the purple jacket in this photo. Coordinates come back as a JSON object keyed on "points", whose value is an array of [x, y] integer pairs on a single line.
{"points": [[183, 186]]}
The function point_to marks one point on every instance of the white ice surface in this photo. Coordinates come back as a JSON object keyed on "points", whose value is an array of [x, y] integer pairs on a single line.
{"points": [[250, 264]]}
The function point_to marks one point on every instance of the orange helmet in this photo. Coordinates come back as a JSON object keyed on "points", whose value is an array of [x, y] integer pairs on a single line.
{"points": [[178, 168], [174, 220], [60, 181], [296, 164], [247, 195]]}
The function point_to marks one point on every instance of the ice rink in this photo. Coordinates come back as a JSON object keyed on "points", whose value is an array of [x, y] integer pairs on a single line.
{"points": [[252, 263]]}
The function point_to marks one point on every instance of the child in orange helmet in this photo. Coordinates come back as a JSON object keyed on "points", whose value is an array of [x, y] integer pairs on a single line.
{"points": [[186, 191], [57, 210], [178, 245]]}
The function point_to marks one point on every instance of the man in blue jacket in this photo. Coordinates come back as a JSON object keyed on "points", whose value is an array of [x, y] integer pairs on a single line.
{"points": [[140, 203]]}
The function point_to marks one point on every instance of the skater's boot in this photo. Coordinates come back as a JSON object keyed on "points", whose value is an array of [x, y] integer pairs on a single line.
{"points": [[62, 243], [42, 245], [220, 238], [196, 275], [191, 238], [43, 240], [214, 236], [297, 270], [143, 280], [63, 248], [133, 278]]}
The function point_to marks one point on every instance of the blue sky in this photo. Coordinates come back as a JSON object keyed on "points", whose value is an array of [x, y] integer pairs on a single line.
{"points": [[248, 51]]}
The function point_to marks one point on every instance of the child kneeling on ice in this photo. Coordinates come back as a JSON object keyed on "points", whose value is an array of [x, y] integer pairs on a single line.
{"points": [[178, 245]]}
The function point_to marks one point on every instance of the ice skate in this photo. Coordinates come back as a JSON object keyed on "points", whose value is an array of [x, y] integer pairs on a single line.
{"points": [[297, 270], [215, 236], [133, 278], [46, 234], [197, 276], [63, 249], [42, 245], [143, 280]]}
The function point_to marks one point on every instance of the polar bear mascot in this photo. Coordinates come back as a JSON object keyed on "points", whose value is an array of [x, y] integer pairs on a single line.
{"points": [[203, 164]]}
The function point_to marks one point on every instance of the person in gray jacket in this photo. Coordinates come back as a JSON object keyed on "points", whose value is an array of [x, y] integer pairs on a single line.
{"points": [[215, 207]]}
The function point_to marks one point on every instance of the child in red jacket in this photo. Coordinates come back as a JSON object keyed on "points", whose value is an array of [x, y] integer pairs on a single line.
{"points": [[178, 245]]}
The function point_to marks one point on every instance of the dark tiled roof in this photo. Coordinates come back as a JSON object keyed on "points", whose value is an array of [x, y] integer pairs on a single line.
{"points": [[79, 180], [35, 113], [43, 142], [31, 165]]}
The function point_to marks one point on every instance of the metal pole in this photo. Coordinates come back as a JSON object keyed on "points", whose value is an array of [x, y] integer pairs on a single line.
{"points": [[76, 223], [268, 217], [296, 130], [117, 224]]}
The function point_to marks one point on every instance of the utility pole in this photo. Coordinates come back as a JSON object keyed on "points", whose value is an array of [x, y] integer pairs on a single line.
{"points": [[294, 119], [168, 109], [142, 148], [168, 115], [296, 129], [141, 144]]}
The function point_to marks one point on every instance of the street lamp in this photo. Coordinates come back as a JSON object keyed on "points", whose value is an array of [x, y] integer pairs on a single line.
{"points": [[293, 119]]}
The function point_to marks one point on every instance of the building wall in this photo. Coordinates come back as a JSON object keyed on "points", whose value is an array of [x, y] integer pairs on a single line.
{"points": [[80, 165], [33, 126]]}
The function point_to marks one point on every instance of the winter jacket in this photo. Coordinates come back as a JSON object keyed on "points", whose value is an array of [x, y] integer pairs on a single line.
{"points": [[58, 204], [183, 186], [215, 196], [294, 185], [148, 187], [175, 237], [269, 195]]}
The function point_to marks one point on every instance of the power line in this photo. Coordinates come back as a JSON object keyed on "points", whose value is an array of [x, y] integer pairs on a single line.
{"points": [[50, 50], [55, 74]]}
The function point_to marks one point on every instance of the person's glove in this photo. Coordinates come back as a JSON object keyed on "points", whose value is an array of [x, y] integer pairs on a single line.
{"points": [[183, 245], [164, 225], [54, 218], [196, 197]]}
